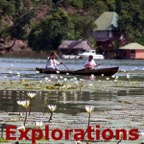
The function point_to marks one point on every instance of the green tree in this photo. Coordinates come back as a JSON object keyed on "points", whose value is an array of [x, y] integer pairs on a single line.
{"points": [[110, 4], [83, 26], [7, 9], [21, 25], [95, 7], [131, 19], [77, 3], [21, 19], [48, 33]]}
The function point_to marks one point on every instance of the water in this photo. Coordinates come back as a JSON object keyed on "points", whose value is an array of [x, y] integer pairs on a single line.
{"points": [[26, 68], [30, 64], [116, 105]]}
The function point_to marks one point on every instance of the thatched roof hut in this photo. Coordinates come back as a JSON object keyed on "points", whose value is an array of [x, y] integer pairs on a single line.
{"points": [[132, 46], [133, 51], [74, 46], [107, 21]]}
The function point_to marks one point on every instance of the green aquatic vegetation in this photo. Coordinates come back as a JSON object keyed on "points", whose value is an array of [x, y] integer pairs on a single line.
{"points": [[50, 87], [126, 102], [71, 87], [2, 140], [27, 85], [75, 84], [58, 84]]}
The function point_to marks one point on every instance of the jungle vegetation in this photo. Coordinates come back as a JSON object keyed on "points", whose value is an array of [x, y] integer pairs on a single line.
{"points": [[45, 23]]}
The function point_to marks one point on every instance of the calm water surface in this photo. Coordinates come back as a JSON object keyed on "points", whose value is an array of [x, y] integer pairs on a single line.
{"points": [[68, 102]]}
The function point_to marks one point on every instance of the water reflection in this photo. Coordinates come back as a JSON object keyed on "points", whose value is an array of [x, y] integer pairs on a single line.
{"points": [[67, 102]]}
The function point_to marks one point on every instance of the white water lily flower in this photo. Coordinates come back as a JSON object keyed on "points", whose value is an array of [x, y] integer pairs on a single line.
{"points": [[92, 76], [113, 76], [116, 77], [78, 142], [19, 102], [67, 73], [39, 123], [56, 77], [25, 103], [115, 80], [5, 77], [102, 74], [21, 127], [107, 78], [52, 108], [127, 76], [65, 79], [46, 78], [61, 77], [40, 81], [75, 78], [10, 72], [76, 82], [18, 74], [89, 109], [64, 86], [52, 76], [121, 135], [57, 72], [31, 95], [142, 133], [37, 72]]}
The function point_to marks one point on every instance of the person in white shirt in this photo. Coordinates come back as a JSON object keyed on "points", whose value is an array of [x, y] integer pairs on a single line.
{"points": [[52, 62], [90, 63]]}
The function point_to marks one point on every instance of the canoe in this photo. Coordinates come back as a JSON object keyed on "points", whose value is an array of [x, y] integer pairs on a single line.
{"points": [[96, 72]]}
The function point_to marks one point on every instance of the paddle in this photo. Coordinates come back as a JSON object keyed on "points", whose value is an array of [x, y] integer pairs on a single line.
{"points": [[85, 68], [61, 61]]}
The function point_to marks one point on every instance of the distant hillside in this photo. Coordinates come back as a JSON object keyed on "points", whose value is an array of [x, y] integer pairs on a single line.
{"points": [[42, 25]]}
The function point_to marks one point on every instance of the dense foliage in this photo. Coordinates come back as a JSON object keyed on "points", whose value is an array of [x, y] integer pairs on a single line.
{"points": [[44, 24], [48, 33]]}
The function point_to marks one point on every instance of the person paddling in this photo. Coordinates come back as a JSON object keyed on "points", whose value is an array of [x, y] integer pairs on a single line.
{"points": [[90, 63], [52, 62]]}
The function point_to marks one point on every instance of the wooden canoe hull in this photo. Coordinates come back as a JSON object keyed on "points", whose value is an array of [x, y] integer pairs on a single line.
{"points": [[96, 72]]}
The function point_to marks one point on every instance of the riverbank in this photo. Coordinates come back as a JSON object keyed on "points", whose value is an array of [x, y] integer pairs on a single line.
{"points": [[26, 54]]}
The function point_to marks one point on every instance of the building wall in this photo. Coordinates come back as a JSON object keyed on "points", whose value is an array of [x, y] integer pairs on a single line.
{"points": [[128, 54], [135, 54], [101, 35], [139, 54]]}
